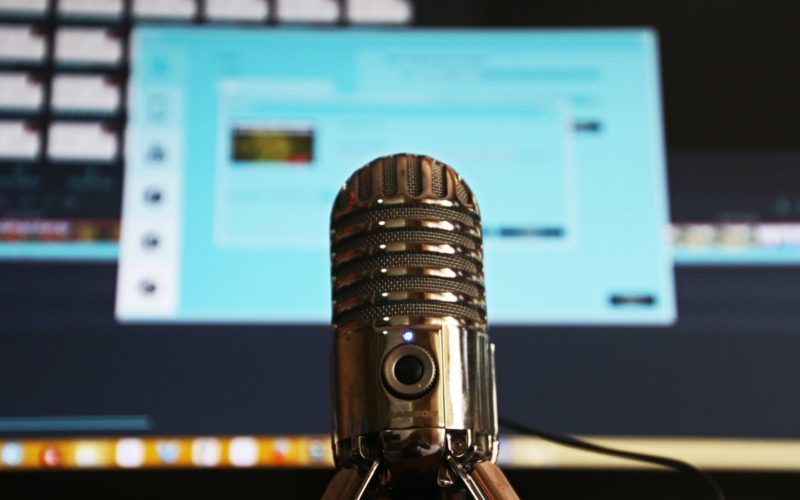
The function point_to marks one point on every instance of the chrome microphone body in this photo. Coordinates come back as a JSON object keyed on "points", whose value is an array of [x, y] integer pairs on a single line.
{"points": [[414, 397]]}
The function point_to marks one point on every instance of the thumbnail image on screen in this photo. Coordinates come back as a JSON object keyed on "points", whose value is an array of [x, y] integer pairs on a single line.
{"points": [[273, 144]]}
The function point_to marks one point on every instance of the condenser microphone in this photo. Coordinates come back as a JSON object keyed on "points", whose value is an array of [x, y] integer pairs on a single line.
{"points": [[413, 384]]}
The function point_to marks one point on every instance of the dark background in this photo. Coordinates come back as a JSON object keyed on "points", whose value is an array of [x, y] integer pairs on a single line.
{"points": [[728, 368], [287, 484]]}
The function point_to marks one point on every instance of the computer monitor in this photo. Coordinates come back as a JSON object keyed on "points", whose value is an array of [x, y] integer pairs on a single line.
{"points": [[648, 306]]}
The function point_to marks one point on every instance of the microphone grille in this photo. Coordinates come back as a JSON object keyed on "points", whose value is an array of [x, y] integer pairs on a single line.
{"points": [[406, 242]]}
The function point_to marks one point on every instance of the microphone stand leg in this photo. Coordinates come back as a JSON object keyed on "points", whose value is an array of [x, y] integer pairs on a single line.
{"points": [[350, 483], [485, 481]]}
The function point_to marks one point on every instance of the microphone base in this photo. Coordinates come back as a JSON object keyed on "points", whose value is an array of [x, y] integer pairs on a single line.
{"points": [[485, 481]]}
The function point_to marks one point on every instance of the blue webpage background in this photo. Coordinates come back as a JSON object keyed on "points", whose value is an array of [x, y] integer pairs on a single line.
{"points": [[572, 217]]}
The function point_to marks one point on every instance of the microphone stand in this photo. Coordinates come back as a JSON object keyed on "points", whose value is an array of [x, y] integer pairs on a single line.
{"points": [[485, 481]]}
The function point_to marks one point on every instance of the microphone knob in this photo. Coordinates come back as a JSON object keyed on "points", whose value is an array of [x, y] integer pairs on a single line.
{"points": [[409, 371]]}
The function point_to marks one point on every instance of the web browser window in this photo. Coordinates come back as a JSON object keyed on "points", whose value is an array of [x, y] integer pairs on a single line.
{"points": [[238, 141]]}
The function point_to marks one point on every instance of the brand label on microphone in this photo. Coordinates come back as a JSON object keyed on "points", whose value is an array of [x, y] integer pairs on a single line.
{"points": [[415, 414]]}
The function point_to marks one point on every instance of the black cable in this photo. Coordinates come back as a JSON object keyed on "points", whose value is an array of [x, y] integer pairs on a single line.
{"points": [[580, 444]]}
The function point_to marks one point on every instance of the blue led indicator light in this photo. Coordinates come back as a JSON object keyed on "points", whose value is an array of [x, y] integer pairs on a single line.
{"points": [[408, 336]]}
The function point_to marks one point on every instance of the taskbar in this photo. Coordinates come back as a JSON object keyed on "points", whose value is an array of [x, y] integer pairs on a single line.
{"points": [[314, 451], [165, 452]]}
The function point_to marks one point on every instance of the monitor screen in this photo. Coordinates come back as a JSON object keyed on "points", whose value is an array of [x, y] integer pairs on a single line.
{"points": [[247, 148]]}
